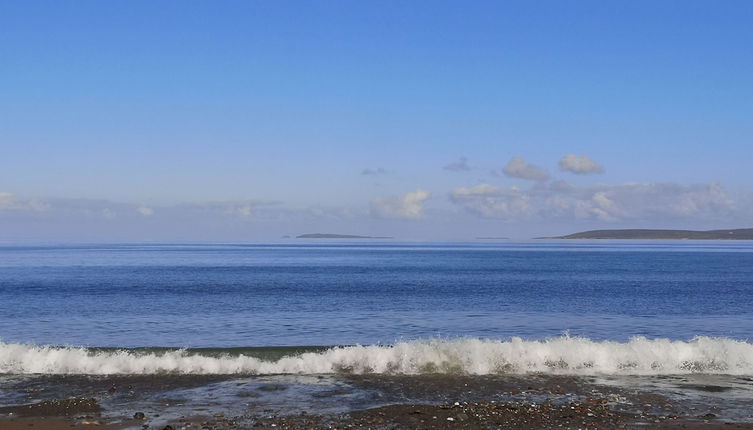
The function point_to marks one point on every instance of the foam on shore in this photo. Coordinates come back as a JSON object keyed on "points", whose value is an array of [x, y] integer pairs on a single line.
{"points": [[559, 355]]}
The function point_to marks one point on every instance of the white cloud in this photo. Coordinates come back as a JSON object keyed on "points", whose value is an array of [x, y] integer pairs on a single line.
{"points": [[661, 200], [10, 202], [518, 167], [599, 206], [491, 201], [6, 200], [408, 206], [580, 164], [244, 210], [461, 165], [146, 211]]}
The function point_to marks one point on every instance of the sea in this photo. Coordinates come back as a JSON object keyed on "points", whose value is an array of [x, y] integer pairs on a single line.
{"points": [[653, 311]]}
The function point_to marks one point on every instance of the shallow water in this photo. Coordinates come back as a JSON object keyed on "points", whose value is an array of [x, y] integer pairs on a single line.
{"points": [[167, 398]]}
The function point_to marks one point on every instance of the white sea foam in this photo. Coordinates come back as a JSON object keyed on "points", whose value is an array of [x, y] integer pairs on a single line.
{"points": [[560, 355]]}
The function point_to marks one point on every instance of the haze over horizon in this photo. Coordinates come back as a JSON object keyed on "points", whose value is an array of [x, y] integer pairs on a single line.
{"points": [[247, 121]]}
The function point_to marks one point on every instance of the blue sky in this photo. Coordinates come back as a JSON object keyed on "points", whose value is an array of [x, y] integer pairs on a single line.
{"points": [[188, 120]]}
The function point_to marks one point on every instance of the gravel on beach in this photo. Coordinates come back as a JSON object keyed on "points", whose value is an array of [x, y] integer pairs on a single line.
{"points": [[591, 414]]}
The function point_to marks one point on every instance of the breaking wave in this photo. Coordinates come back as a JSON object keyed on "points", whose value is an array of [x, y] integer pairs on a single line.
{"points": [[558, 355]]}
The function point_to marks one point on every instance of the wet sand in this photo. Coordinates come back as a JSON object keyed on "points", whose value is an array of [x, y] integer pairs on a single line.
{"points": [[346, 402]]}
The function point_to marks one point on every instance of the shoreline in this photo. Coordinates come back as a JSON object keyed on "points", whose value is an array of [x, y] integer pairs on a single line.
{"points": [[362, 401]]}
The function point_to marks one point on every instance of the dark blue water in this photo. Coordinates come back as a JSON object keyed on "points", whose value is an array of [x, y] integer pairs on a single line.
{"points": [[364, 293]]}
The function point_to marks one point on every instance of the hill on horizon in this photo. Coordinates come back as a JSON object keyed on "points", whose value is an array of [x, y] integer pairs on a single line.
{"points": [[734, 234]]}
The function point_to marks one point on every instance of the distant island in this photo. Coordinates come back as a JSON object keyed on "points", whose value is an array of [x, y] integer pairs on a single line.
{"points": [[736, 234], [337, 236]]}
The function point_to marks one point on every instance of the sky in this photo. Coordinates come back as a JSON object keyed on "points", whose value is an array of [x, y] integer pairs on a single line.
{"points": [[421, 120]]}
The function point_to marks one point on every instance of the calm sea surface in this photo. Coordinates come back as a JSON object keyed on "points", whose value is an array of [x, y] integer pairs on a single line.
{"points": [[330, 293]]}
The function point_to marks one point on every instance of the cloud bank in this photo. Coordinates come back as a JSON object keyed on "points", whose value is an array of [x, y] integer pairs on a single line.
{"points": [[146, 211], [9, 202], [406, 206], [491, 201], [552, 206], [610, 203]]}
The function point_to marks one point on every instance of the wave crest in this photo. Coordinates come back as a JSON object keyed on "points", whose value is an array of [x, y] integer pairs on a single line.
{"points": [[559, 355]]}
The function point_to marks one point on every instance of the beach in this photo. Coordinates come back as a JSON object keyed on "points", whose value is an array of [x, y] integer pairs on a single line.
{"points": [[386, 402]]}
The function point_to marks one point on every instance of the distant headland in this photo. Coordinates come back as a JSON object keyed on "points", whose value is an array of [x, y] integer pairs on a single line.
{"points": [[736, 234], [338, 236]]}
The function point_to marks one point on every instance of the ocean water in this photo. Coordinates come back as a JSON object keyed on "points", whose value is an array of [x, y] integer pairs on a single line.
{"points": [[603, 307]]}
